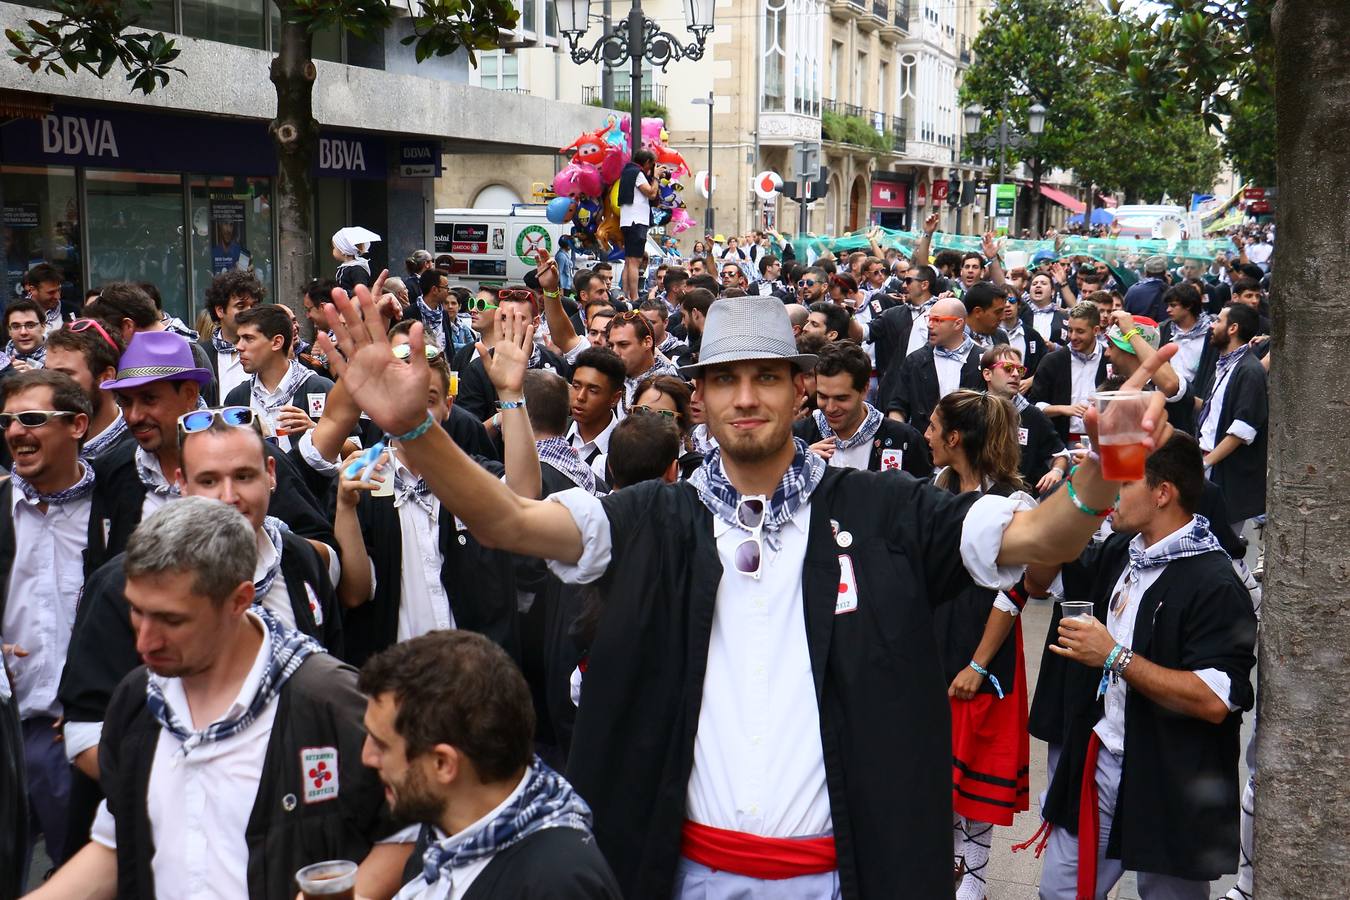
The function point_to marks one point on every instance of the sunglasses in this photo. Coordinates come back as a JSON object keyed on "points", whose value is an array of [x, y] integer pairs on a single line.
{"points": [[933, 318], [653, 411], [750, 516], [32, 418], [201, 419], [404, 351], [478, 304], [807, 282], [517, 295], [1011, 368], [82, 325], [634, 317]]}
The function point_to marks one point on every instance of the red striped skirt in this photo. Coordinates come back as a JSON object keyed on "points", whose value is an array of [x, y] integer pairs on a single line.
{"points": [[991, 751]]}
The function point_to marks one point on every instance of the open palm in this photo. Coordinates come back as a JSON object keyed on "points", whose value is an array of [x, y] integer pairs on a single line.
{"points": [[392, 392]]}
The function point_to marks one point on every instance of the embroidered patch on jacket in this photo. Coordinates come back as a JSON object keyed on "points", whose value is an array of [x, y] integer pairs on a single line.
{"points": [[319, 769]]}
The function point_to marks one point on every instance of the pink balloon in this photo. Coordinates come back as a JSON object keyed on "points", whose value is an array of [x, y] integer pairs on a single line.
{"points": [[611, 167], [577, 179], [680, 221]]}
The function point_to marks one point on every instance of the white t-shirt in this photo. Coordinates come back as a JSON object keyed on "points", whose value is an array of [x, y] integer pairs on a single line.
{"points": [[639, 212]]}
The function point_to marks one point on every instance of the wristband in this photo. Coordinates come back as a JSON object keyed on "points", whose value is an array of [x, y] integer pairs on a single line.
{"points": [[1080, 505], [552, 294], [1107, 674], [416, 432], [981, 670], [1133, 332], [511, 404]]}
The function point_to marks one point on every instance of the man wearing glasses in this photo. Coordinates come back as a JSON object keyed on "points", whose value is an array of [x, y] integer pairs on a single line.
{"points": [[732, 276], [765, 629], [27, 349], [1044, 462], [951, 361], [88, 353], [812, 286]]}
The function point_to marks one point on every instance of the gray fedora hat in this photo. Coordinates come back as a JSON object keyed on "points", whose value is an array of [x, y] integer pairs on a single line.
{"points": [[746, 328]]}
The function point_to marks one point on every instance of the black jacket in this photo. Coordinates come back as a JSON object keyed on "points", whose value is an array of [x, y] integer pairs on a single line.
{"points": [[912, 389], [204, 356], [1197, 615], [1242, 475], [242, 393], [1038, 442], [318, 707], [1054, 384], [119, 495], [478, 396], [892, 438], [889, 332], [1036, 348], [884, 716]]}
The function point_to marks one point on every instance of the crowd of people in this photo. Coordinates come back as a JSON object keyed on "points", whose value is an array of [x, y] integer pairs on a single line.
{"points": [[706, 587]]}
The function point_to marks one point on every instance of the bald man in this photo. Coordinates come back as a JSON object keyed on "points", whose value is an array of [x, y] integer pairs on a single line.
{"points": [[911, 391], [797, 315]]}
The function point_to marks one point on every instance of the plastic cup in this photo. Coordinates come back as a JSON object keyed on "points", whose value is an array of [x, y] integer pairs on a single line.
{"points": [[454, 384], [1120, 434], [331, 880], [1076, 609]]}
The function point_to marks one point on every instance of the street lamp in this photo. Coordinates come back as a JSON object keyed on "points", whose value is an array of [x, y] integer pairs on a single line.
{"points": [[1005, 137], [708, 210], [638, 39]]}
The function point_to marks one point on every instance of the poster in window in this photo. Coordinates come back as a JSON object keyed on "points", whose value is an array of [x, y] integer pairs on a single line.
{"points": [[227, 236], [498, 238]]}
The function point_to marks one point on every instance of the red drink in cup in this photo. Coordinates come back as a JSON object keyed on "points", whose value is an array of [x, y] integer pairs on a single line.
{"points": [[1120, 434]]}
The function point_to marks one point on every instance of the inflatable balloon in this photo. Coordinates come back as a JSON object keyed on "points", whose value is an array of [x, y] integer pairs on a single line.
{"points": [[586, 218], [590, 147], [609, 230], [559, 209], [578, 179], [653, 132], [615, 134], [671, 158], [680, 221], [611, 166]]}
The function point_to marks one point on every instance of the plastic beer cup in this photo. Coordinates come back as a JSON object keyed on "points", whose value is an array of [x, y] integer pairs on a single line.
{"points": [[331, 880], [1120, 434]]}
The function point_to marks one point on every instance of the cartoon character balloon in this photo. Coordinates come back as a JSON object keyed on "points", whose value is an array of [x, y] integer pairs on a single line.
{"points": [[578, 179], [653, 132]]}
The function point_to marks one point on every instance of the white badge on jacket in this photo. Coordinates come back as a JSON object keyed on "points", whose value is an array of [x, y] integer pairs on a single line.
{"points": [[848, 587], [319, 769], [892, 459]]}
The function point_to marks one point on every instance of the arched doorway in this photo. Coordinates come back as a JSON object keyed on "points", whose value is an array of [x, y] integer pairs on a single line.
{"points": [[496, 196], [857, 198]]}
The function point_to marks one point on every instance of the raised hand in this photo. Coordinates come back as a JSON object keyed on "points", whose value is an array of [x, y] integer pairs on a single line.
{"points": [[989, 245], [391, 391], [546, 270], [930, 224], [511, 356]]}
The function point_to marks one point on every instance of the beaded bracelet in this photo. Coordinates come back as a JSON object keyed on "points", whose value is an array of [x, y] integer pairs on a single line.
{"points": [[981, 670], [416, 432], [1080, 505]]}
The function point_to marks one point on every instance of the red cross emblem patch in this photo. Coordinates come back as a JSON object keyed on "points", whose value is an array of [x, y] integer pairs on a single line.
{"points": [[319, 769]]}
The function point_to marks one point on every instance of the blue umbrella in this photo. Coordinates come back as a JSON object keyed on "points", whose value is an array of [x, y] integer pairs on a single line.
{"points": [[1099, 217]]}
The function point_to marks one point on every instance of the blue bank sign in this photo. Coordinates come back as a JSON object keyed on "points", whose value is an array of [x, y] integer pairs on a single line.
{"points": [[420, 159]]}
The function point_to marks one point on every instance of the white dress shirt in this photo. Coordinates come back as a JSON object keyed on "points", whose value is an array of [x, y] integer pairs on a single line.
{"points": [[1084, 384], [153, 501], [918, 333], [948, 376], [461, 877], [199, 805], [587, 450], [1209, 436], [1042, 319], [277, 600], [853, 458], [229, 372], [759, 766], [1111, 727], [423, 605], [42, 595]]}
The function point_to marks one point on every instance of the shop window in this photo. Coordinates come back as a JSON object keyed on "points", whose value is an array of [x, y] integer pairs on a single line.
{"points": [[231, 220], [238, 22], [42, 224], [136, 232]]}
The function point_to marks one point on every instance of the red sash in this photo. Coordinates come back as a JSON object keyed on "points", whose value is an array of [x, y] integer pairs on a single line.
{"points": [[1088, 824], [765, 858]]}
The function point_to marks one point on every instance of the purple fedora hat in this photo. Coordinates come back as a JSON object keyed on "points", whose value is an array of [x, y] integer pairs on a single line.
{"points": [[156, 356]]}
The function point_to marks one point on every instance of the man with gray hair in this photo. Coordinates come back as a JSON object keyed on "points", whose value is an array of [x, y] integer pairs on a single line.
{"points": [[237, 734]]}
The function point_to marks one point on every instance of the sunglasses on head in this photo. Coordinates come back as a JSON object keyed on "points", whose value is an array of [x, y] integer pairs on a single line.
{"points": [[653, 411], [634, 317], [478, 304], [82, 325], [31, 418], [750, 516], [515, 295], [233, 416], [404, 351], [1012, 368]]}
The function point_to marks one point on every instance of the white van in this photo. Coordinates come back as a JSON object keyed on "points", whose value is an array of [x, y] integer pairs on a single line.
{"points": [[1160, 221], [494, 246]]}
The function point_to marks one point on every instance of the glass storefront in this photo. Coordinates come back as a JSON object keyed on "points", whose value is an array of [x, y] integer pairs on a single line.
{"points": [[138, 218], [231, 218], [41, 222]]}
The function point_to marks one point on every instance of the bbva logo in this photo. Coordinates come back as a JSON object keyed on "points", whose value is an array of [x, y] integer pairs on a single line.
{"points": [[335, 153], [78, 136]]}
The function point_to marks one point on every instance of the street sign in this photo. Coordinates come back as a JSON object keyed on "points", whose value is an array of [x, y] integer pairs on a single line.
{"points": [[981, 186], [419, 159], [939, 192], [1002, 203], [805, 161]]}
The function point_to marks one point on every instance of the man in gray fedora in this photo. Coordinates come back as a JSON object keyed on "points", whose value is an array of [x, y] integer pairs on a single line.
{"points": [[763, 712]]}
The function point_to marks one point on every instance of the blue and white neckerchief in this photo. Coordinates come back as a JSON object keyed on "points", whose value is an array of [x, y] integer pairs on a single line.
{"points": [[1019, 402], [295, 376], [105, 439], [984, 341], [37, 358], [561, 455], [959, 354], [431, 318], [220, 344], [1199, 330], [793, 491], [147, 469], [77, 491], [272, 529], [406, 488], [867, 429], [545, 801], [178, 326], [286, 650]]}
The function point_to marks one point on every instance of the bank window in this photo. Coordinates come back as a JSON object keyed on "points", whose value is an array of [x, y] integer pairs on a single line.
{"points": [[41, 219], [239, 22], [136, 228], [231, 218]]}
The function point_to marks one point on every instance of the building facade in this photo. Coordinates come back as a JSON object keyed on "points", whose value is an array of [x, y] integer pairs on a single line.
{"points": [[177, 186]]}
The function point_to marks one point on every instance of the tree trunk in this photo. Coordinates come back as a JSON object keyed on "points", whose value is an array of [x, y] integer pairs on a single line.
{"points": [[295, 135], [1302, 804], [1034, 206]]}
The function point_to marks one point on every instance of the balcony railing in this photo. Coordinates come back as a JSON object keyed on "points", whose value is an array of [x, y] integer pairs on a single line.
{"points": [[880, 9], [902, 14], [623, 93], [898, 131]]}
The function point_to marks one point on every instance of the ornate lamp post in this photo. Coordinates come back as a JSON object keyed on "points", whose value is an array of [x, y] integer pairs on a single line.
{"points": [[1005, 137], [636, 39]]}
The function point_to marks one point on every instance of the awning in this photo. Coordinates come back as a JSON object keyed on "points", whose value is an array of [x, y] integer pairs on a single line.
{"points": [[1065, 200], [1107, 202]]}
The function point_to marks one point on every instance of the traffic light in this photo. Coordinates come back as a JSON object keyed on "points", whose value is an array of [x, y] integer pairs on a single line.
{"points": [[953, 188]]}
